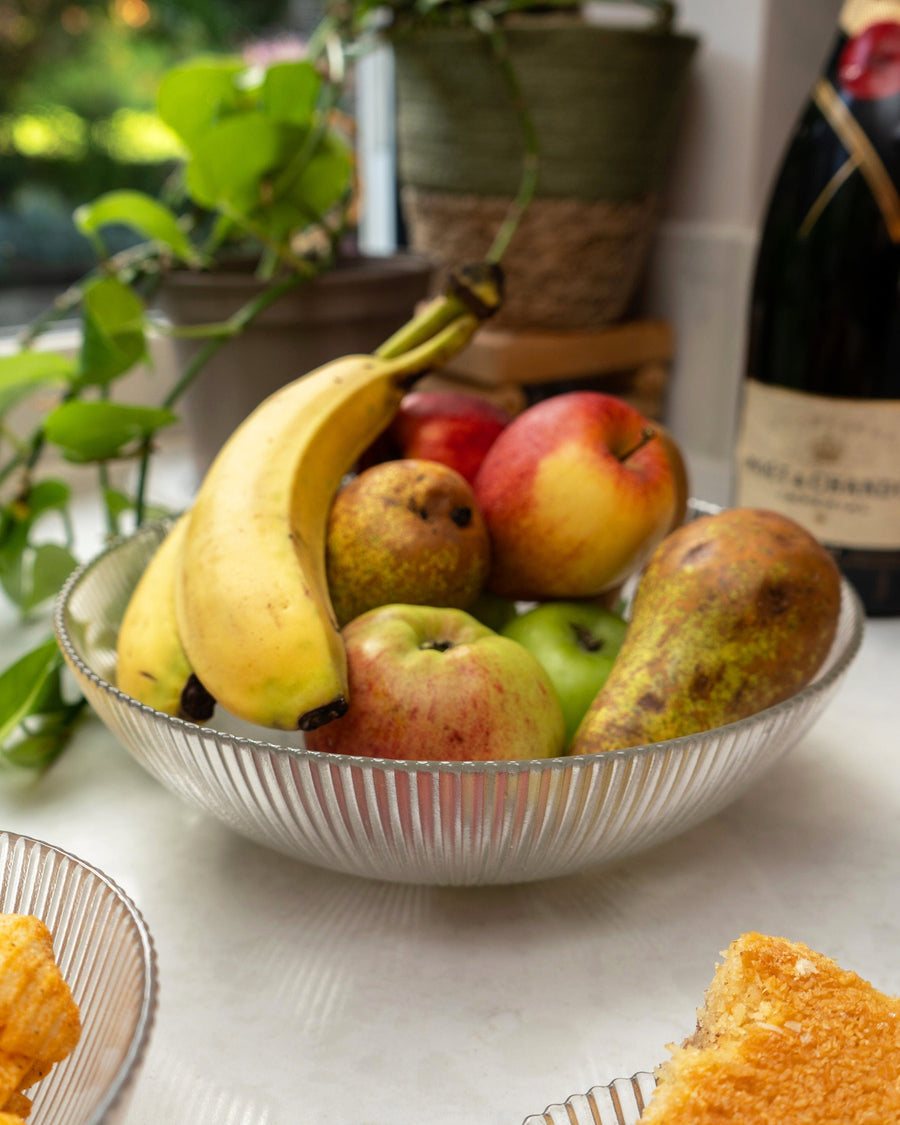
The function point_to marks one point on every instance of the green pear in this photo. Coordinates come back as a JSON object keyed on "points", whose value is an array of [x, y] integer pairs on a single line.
{"points": [[734, 613], [406, 531]]}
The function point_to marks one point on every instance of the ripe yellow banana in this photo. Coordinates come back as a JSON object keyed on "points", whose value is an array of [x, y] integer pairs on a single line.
{"points": [[151, 664], [252, 600]]}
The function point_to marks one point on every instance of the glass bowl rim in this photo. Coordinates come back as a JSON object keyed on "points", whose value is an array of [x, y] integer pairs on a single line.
{"points": [[639, 1080], [146, 1020], [439, 765]]}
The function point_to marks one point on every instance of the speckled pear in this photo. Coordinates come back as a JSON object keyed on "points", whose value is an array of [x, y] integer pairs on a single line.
{"points": [[734, 613]]}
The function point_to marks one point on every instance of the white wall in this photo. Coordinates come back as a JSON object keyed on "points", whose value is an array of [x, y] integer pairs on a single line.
{"points": [[751, 76]]}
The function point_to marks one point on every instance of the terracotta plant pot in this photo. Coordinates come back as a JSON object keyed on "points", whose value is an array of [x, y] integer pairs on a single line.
{"points": [[350, 309]]}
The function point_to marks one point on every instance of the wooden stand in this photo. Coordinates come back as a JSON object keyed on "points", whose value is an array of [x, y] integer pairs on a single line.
{"points": [[631, 360]]}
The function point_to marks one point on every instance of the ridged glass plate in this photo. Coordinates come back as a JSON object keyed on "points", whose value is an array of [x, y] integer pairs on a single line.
{"points": [[427, 821], [620, 1103], [106, 955]]}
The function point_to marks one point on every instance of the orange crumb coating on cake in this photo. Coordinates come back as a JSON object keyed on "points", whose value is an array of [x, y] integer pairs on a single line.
{"points": [[785, 1036]]}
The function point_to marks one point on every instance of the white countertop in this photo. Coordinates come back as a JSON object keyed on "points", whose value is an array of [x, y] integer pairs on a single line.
{"points": [[291, 995]]}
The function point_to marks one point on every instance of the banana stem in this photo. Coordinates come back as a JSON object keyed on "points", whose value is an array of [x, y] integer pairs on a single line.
{"points": [[474, 290], [436, 351], [434, 316]]}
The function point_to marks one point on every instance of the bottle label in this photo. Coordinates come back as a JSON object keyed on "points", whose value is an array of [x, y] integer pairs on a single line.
{"points": [[833, 465]]}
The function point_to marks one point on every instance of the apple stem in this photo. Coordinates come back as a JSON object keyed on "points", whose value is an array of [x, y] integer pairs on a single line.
{"points": [[586, 639], [438, 646], [647, 434]]}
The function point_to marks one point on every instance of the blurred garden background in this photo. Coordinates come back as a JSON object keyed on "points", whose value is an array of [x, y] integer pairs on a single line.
{"points": [[77, 91]]}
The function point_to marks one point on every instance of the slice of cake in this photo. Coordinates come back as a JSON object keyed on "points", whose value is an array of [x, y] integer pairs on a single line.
{"points": [[786, 1037]]}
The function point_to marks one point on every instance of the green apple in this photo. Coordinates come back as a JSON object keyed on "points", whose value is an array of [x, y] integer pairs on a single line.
{"points": [[576, 643], [435, 684]]}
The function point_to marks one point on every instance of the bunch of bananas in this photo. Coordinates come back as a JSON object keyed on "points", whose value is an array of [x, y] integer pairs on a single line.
{"points": [[234, 606]]}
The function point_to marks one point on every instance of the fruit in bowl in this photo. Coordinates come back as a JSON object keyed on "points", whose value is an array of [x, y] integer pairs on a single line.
{"points": [[573, 497], [392, 795], [427, 822], [405, 531], [577, 491], [434, 683], [251, 603], [576, 643], [451, 427], [735, 612]]}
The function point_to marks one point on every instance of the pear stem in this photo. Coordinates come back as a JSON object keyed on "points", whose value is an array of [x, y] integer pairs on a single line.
{"points": [[647, 434]]}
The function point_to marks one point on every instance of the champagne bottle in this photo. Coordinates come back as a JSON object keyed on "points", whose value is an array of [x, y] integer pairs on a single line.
{"points": [[819, 431]]}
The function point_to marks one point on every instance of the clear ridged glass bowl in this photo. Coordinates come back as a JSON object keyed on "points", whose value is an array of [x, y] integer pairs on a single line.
{"points": [[620, 1103], [106, 955], [426, 821]]}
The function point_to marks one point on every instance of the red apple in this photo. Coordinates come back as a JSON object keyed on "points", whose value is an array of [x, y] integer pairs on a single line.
{"points": [[577, 492], [451, 427], [431, 683]]}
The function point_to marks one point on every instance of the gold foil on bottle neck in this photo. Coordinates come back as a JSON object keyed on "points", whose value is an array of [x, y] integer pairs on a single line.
{"points": [[857, 15]]}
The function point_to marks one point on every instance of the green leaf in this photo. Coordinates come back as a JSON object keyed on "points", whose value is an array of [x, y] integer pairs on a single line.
{"points": [[26, 372], [44, 496], [52, 565], [230, 158], [281, 219], [50, 699], [97, 431], [325, 179], [24, 683], [113, 332], [117, 503], [13, 545], [30, 574], [193, 96], [36, 721], [142, 213], [290, 91], [35, 751]]}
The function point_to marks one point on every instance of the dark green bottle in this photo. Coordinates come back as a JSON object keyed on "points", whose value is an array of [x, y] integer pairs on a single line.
{"points": [[819, 434]]}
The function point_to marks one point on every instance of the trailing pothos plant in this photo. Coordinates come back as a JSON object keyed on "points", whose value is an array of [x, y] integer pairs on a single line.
{"points": [[358, 24], [267, 177], [356, 19]]}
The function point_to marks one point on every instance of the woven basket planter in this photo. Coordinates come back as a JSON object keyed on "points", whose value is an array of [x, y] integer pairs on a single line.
{"points": [[605, 102]]}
